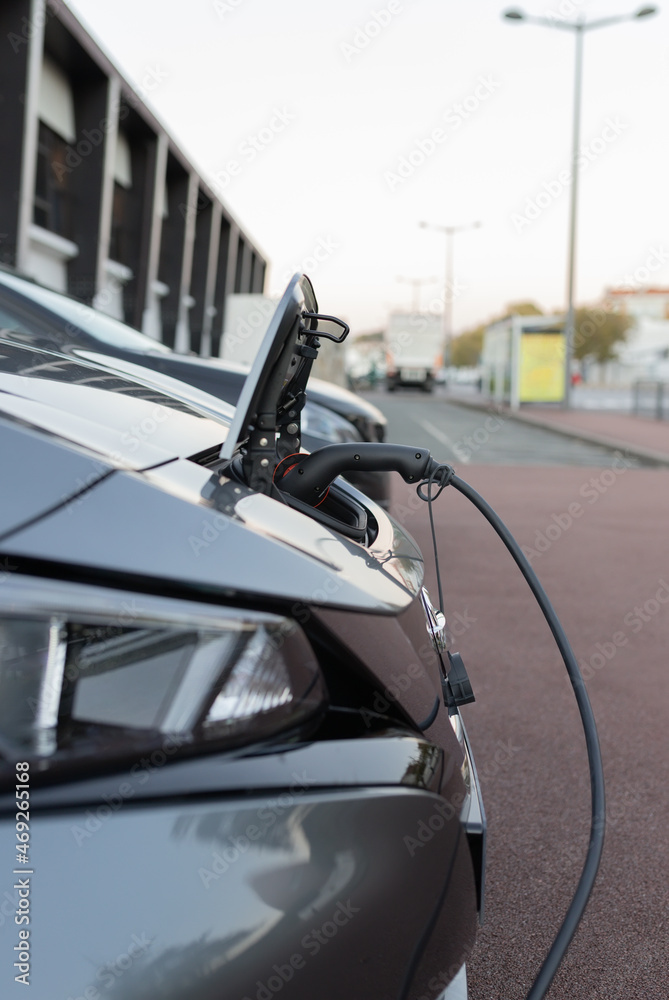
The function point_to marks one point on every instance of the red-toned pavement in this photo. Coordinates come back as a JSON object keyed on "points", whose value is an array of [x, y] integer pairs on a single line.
{"points": [[605, 566], [618, 430]]}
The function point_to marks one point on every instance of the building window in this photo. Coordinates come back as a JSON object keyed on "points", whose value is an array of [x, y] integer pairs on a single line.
{"points": [[123, 222], [119, 243], [53, 198]]}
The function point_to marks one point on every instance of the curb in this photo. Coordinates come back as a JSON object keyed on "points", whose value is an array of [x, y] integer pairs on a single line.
{"points": [[647, 455]]}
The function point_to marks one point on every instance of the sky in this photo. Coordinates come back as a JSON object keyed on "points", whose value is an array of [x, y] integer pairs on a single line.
{"points": [[331, 130]]}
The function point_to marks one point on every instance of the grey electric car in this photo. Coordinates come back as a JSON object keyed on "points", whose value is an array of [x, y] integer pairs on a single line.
{"points": [[41, 317], [232, 762]]}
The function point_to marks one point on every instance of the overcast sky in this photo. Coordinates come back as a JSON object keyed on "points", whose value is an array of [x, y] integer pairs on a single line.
{"points": [[332, 129]]}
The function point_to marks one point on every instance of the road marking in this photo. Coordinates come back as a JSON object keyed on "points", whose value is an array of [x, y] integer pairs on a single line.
{"points": [[444, 438]]}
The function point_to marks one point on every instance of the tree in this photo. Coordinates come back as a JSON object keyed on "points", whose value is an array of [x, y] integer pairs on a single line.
{"points": [[596, 332], [368, 338], [466, 349], [522, 309]]}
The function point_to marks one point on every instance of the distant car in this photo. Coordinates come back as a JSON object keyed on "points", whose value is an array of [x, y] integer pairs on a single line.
{"points": [[467, 375], [40, 317], [232, 763]]}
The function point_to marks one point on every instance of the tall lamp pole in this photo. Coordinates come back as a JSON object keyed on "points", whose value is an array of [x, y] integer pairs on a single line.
{"points": [[450, 231], [579, 27], [416, 283]]}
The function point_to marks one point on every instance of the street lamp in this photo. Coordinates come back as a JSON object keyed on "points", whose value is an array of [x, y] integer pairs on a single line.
{"points": [[416, 282], [448, 291], [579, 27]]}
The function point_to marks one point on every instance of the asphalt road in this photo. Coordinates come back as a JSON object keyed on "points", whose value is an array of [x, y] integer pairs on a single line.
{"points": [[461, 435], [605, 566]]}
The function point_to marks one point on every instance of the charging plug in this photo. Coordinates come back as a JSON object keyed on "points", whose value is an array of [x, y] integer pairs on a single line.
{"points": [[311, 475]]}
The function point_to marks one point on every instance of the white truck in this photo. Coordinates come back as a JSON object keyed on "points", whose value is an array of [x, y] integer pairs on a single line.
{"points": [[414, 345]]}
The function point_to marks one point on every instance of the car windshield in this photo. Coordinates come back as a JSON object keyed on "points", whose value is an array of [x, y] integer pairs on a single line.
{"points": [[104, 328]]}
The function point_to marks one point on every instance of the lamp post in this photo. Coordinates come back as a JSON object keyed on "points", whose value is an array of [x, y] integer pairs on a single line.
{"points": [[416, 282], [579, 27], [450, 231]]}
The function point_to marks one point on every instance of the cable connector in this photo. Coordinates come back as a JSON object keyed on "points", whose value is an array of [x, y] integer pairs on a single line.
{"points": [[310, 477]]}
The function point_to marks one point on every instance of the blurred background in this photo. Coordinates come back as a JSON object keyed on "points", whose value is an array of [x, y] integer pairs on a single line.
{"points": [[410, 156], [361, 86]]}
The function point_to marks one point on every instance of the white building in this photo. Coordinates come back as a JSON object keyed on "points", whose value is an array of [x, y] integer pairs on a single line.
{"points": [[646, 303], [645, 352], [98, 200]]}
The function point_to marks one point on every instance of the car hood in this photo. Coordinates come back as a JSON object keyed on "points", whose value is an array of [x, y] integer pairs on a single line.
{"points": [[66, 425], [130, 422], [113, 484], [184, 390], [328, 394], [212, 372]]}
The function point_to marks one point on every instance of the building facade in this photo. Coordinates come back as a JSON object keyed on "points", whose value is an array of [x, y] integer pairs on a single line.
{"points": [[98, 200], [651, 303]]}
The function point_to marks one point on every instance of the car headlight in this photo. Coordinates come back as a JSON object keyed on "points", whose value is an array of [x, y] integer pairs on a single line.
{"points": [[318, 421], [89, 674]]}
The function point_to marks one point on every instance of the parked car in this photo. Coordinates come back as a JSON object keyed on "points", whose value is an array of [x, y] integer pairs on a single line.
{"points": [[41, 317], [231, 762]]}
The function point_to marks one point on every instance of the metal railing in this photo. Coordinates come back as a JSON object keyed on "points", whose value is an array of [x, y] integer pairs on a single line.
{"points": [[651, 397]]}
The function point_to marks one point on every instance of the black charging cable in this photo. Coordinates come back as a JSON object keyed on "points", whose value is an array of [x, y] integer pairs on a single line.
{"points": [[308, 480], [440, 477]]}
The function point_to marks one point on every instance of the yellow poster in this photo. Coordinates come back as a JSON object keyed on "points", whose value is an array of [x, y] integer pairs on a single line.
{"points": [[541, 368]]}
